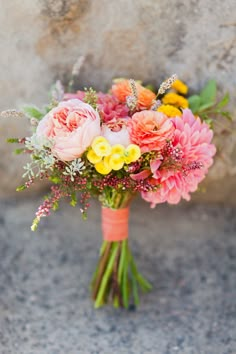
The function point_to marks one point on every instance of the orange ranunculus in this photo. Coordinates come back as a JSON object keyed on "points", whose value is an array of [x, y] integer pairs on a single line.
{"points": [[150, 130], [122, 89]]}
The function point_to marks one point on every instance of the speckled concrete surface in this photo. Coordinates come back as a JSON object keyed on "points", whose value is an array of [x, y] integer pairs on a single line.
{"points": [[188, 253]]}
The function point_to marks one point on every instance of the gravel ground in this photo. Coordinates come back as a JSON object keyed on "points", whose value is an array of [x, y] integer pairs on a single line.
{"points": [[187, 252]]}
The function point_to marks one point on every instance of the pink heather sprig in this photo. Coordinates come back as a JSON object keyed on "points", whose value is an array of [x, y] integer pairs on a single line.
{"points": [[48, 204]]}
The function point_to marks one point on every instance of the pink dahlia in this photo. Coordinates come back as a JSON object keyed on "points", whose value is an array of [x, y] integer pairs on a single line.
{"points": [[109, 106], [191, 154]]}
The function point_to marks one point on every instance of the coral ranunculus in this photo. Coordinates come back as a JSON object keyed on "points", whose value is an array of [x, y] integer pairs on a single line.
{"points": [[150, 130], [72, 125], [122, 90], [193, 139]]}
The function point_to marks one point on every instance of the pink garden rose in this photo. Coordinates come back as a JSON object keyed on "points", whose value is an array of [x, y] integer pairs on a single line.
{"points": [[72, 125], [150, 130], [191, 145]]}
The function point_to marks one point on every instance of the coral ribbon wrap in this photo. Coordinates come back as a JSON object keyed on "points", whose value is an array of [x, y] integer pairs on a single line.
{"points": [[115, 224]]}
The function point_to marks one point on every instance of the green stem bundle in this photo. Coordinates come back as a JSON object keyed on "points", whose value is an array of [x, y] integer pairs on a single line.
{"points": [[116, 279]]}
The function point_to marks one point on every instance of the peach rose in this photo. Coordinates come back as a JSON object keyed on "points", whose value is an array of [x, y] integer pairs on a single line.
{"points": [[72, 125], [122, 89], [150, 130]]}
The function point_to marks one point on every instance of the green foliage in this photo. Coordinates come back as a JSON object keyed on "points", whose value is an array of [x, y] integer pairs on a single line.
{"points": [[73, 201], [91, 97], [34, 225], [194, 103], [150, 87], [205, 104], [55, 179], [21, 188], [33, 112], [19, 151], [55, 206], [13, 140], [208, 93], [205, 99]]}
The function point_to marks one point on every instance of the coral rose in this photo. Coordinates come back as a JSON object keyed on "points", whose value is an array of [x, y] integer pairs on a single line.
{"points": [[122, 90], [72, 125], [150, 130]]}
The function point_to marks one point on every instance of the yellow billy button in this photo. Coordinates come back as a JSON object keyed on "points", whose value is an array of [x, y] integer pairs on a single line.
{"points": [[102, 168], [132, 153], [116, 162], [118, 149], [102, 148], [106, 160], [92, 157], [180, 87], [98, 139]]}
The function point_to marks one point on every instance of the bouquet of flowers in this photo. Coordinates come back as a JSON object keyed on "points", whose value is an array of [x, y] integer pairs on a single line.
{"points": [[113, 146]]}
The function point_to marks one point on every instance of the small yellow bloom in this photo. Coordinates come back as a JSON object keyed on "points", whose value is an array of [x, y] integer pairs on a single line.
{"points": [[102, 168], [175, 100], [132, 153], [169, 111], [118, 149], [98, 139], [102, 148], [92, 157], [106, 161], [116, 162], [180, 87]]}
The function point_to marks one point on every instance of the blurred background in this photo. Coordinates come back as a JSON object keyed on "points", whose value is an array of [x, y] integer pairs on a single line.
{"points": [[142, 39], [187, 251]]}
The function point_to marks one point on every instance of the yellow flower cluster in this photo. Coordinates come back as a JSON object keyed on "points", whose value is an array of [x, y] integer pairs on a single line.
{"points": [[180, 87], [107, 158], [169, 111], [175, 100]]}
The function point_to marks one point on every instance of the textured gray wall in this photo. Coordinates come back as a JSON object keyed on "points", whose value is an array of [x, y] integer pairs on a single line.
{"points": [[147, 39]]}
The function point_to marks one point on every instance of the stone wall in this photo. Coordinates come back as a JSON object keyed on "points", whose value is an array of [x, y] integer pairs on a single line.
{"points": [[145, 39]]}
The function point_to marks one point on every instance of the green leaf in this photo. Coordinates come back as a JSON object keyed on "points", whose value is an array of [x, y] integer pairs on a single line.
{"points": [[73, 201], [55, 205], [208, 94], [33, 112], [19, 151], [84, 215], [224, 101], [89, 185], [209, 121], [194, 103], [21, 188], [34, 225], [204, 106], [55, 179], [13, 140], [226, 115], [150, 87]]}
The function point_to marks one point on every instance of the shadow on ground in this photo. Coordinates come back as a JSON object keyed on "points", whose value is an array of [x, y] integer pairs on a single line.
{"points": [[187, 252]]}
